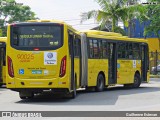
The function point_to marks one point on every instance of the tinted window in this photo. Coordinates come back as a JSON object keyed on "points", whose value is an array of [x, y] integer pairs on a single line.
{"points": [[77, 47], [136, 51], [104, 48], [100, 48], [48, 36], [130, 51], [91, 55], [95, 49], [122, 50]]}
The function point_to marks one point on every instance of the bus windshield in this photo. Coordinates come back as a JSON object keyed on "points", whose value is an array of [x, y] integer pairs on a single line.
{"points": [[44, 37]]}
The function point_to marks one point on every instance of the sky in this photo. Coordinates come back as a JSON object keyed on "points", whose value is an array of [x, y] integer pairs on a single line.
{"points": [[66, 10]]}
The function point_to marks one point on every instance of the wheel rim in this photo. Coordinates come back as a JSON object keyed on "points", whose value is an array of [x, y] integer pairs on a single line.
{"points": [[136, 81], [100, 83]]}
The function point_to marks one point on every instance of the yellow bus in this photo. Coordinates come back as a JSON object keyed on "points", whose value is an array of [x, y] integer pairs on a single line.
{"points": [[51, 55], [40, 57], [3, 41], [114, 59]]}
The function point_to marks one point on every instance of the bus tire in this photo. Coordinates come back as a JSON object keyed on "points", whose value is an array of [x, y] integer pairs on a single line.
{"points": [[23, 95], [1, 84], [100, 83], [128, 86], [90, 89], [137, 81]]}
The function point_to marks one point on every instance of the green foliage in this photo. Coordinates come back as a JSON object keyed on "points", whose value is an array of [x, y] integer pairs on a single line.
{"points": [[153, 16], [0, 32], [113, 11], [11, 11], [120, 30], [109, 13]]}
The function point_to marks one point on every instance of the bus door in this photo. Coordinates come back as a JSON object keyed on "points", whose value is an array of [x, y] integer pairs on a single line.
{"points": [[77, 59], [144, 62], [71, 54], [112, 63]]}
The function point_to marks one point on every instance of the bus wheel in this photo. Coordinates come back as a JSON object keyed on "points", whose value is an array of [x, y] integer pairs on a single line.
{"points": [[137, 81], [128, 86], [100, 83], [90, 89], [24, 95]]}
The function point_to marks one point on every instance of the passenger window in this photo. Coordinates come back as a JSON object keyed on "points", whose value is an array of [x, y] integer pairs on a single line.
{"points": [[90, 49], [122, 50], [136, 51], [95, 49], [104, 48]]}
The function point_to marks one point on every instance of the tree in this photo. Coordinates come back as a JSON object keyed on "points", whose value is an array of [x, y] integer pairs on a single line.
{"points": [[113, 11], [134, 10], [11, 11], [153, 18]]}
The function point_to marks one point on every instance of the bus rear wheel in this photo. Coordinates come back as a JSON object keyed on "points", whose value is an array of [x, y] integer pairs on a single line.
{"points": [[100, 83], [137, 81], [26, 95]]}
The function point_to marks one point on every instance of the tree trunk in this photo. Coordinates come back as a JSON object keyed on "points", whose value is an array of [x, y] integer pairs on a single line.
{"points": [[113, 25]]}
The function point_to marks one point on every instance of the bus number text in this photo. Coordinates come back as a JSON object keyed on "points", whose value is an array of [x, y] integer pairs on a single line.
{"points": [[25, 57]]}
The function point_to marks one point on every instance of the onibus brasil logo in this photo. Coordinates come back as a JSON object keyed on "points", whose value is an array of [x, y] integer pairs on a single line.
{"points": [[21, 114]]}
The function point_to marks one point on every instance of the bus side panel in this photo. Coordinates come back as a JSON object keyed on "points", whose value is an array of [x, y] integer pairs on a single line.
{"points": [[95, 66], [91, 75], [127, 70], [124, 72]]}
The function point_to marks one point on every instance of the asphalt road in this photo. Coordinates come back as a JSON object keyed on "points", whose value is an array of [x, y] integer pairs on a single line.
{"points": [[147, 98]]}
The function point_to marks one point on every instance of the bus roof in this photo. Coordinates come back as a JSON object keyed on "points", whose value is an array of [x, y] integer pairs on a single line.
{"points": [[98, 32], [138, 40], [52, 21], [111, 35]]}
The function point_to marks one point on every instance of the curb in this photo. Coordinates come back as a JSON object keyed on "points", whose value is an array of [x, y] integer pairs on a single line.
{"points": [[154, 76]]}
